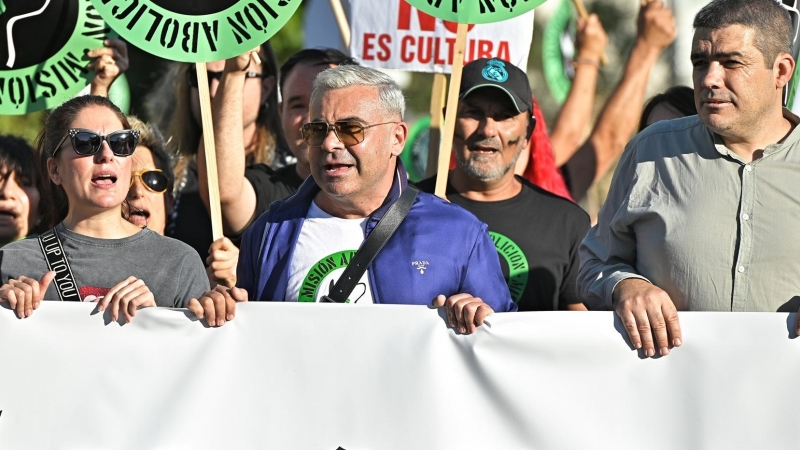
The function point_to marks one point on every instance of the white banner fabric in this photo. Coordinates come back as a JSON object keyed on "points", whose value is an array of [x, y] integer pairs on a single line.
{"points": [[396, 35], [302, 376]]}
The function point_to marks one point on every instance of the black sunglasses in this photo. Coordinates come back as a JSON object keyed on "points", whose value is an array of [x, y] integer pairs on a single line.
{"points": [[153, 179], [191, 76], [348, 132], [87, 142]]}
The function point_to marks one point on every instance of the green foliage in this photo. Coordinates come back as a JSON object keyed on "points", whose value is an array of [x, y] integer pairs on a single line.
{"points": [[26, 126]]}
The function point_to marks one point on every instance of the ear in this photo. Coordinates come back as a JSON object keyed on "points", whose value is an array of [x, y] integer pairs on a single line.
{"points": [[783, 69], [399, 138], [52, 171]]}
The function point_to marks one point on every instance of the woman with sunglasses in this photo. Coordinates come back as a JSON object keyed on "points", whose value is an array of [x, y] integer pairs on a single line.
{"points": [[92, 253], [150, 200]]}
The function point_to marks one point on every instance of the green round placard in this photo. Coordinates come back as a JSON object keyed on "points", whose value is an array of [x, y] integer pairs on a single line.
{"points": [[555, 71], [44, 62], [196, 31], [475, 11]]}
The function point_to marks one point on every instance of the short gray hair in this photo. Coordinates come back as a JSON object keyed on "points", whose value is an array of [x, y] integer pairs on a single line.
{"points": [[340, 77]]}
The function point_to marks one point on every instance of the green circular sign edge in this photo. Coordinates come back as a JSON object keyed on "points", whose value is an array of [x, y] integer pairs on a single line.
{"points": [[76, 44], [228, 40], [443, 9]]}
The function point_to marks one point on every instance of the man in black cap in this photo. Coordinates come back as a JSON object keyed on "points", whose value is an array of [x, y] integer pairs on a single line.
{"points": [[536, 233]]}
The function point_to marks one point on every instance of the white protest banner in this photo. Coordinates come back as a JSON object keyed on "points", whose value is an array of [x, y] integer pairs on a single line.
{"points": [[398, 36], [302, 376]]}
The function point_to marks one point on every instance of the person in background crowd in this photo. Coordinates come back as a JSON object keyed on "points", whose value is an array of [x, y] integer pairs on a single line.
{"points": [[539, 165], [536, 233], [674, 103], [703, 212], [355, 136], [19, 196], [150, 200], [617, 122], [150, 197], [85, 151], [175, 106], [247, 191]]}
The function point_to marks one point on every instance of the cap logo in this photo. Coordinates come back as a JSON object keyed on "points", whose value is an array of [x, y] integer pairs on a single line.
{"points": [[495, 70]]}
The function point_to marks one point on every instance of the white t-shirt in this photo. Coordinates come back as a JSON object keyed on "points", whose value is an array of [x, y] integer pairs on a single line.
{"points": [[325, 247]]}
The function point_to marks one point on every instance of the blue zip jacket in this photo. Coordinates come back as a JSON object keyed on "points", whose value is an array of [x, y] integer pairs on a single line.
{"points": [[439, 248]]}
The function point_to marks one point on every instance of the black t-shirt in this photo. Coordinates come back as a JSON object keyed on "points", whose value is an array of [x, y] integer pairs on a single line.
{"points": [[190, 221], [537, 235]]}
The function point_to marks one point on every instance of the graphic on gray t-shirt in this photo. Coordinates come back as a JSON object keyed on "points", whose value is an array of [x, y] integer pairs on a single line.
{"points": [[171, 269]]}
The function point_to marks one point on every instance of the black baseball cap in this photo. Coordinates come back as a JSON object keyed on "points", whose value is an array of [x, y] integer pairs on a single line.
{"points": [[499, 74]]}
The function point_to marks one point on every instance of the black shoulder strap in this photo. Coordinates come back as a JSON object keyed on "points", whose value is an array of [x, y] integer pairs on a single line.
{"points": [[56, 259], [370, 248]]}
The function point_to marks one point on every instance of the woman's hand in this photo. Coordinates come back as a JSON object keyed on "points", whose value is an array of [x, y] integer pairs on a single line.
{"points": [[127, 296], [24, 294]]}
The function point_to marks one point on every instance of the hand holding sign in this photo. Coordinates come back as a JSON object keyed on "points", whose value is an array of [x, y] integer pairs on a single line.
{"points": [[108, 63]]}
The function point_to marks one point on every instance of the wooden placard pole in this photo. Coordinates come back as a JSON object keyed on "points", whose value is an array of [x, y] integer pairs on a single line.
{"points": [[452, 105], [210, 149], [435, 135], [585, 15], [341, 20]]}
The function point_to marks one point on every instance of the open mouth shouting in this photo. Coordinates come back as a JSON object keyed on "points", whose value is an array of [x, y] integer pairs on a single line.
{"points": [[104, 179], [138, 215]]}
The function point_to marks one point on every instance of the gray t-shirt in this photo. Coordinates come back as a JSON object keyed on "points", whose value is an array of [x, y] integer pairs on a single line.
{"points": [[171, 269]]}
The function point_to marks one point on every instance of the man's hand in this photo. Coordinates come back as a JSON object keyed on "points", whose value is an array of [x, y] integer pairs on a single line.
{"points": [[656, 25], [464, 312], [127, 296], [645, 311], [222, 259], [25, 294], [218, 305], [591, 39], [108, 63]]}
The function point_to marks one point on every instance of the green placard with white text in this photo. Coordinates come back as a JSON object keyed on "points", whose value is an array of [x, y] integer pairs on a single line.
{"points": [[42, 51], [196, 31], [475, 11]]}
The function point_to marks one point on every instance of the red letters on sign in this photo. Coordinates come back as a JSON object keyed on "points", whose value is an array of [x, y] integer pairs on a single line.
{"points": [[368, 46], [383, 41]]}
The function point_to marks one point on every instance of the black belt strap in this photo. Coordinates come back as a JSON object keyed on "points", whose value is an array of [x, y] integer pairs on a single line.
{"points": [[369, 249], [56, 259]]}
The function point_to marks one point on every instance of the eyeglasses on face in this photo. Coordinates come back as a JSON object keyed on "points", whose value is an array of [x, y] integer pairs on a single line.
{"points": [[87, 142], [191, 76], [347, 131], [154, 180]]}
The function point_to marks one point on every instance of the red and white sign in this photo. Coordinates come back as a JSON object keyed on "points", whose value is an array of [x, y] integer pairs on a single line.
{"points": [[398, 36]]}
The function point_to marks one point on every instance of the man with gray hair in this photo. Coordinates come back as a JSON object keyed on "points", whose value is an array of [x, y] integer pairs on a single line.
{"points": [[298, 250], [703, 212]]}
